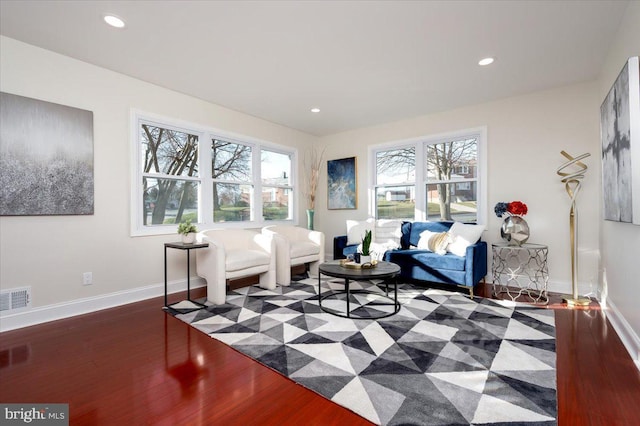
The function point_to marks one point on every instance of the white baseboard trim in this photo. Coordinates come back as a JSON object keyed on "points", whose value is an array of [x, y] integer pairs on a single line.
{"points": [[42, 314], [560, 287], [564, 287], [629, 338]]}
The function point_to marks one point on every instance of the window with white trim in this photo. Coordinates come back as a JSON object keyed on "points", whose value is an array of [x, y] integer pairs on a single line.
{"points": [[207, 177], [450, 170], [233, 185], [277, 192], [452, 194], [395, 185], [170, 180]]}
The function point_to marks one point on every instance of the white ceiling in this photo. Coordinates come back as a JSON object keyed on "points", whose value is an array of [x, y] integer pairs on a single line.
{"points": [[361, 62]]}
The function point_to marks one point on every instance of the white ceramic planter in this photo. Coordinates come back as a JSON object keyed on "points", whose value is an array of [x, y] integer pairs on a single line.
{"points": [[190, 238]]}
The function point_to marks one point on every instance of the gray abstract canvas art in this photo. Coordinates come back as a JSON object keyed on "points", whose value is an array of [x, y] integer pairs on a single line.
{"points": [[46, 158], [619, 125]]}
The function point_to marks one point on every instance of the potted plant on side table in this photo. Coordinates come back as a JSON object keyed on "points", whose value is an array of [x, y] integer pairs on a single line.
{"points": [[188, 232], [365, 256]]}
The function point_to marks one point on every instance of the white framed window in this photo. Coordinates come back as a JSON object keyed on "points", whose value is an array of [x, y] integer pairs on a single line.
{"points": [[233, 183], [441, 177], [277, 189], [212, 178], [395, 182], [169, 175], [451, 193]]}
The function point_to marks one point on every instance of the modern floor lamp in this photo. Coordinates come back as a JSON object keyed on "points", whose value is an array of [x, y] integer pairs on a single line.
{"points": [[572, 172]]}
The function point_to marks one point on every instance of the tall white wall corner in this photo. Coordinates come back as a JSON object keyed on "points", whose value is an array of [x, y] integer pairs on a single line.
{"points": [[589, 272]]}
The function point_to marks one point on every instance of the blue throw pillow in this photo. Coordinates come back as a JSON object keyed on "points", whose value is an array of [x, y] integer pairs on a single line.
{"points": [[404, 239]]}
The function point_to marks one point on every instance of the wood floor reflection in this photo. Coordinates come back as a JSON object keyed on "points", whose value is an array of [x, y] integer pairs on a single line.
{"points": [[137, 365]]}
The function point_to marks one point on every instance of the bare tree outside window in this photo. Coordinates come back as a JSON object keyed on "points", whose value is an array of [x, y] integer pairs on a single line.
{"points": [[232, 181], [397, 165], [452, 173], [169, 158], [186, 172], [395, 183]]}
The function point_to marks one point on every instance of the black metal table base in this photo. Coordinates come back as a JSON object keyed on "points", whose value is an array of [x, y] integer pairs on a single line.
{"points": [[187, 248], [348, 313], [185, 310]]}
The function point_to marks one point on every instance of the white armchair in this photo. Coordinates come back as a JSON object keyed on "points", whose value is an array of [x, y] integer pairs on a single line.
{"points": [[234, 253], [295, 246]]}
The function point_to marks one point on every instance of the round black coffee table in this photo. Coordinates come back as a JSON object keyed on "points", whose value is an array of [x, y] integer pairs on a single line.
{"points": [[383, 270]]}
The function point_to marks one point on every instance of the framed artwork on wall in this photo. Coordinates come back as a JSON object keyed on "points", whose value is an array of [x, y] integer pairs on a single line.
{"points": [[46, 158], [620, 136], [342, 190]]}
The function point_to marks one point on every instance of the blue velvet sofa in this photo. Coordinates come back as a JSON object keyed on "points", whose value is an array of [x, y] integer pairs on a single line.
{"points": [[424, 265]]}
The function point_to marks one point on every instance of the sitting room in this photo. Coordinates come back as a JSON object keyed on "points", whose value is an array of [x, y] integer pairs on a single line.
{"points": [[308, 212]]}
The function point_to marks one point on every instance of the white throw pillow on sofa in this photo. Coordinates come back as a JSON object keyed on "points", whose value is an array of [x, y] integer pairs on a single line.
{"points": [[377, 250], [436, 242], [462, 236], [387, 233], [356, 230]]}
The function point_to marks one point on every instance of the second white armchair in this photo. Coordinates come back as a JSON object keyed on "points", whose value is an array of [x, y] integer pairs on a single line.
{"points": [[295, 246], [234, 253]]}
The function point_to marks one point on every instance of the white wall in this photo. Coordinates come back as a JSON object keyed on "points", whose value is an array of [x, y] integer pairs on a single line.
{"points": [[50, 253], [620, 242], [525, 137]]}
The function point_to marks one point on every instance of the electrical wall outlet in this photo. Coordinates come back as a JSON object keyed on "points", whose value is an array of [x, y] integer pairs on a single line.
{"points": [[87, 278]]}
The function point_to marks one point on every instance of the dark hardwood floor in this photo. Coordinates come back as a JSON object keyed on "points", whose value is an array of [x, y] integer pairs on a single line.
{"points": [[137, 365]]}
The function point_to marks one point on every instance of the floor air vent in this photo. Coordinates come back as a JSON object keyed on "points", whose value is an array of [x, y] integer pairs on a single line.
{"points": [[15, 298]]}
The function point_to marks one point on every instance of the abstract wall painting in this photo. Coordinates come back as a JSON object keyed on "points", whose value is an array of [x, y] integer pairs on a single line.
{"points": [[46, 158], [620, 135], [342, 186]]}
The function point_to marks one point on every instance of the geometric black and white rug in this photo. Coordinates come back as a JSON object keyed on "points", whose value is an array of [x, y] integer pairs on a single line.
{"points": [[442, 359]]}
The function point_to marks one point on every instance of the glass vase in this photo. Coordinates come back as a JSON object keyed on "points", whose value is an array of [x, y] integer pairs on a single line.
{"points": [[310, 219]]}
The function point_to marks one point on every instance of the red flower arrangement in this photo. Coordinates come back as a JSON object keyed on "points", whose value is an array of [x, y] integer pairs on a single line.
{"points": [[517, 208]]}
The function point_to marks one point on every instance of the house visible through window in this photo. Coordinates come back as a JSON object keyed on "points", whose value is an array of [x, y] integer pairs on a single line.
{"points": [[227, 181], [276, 185], [233, 184], [395, 183], [451, 180], [448, 169]]}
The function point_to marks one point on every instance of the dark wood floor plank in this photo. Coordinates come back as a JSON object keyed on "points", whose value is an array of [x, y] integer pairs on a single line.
{"points": [[135, 364]]}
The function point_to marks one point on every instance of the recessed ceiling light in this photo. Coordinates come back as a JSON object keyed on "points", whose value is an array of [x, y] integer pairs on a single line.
{"points": [[315, 109], [485, 61], [114, 21]]}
